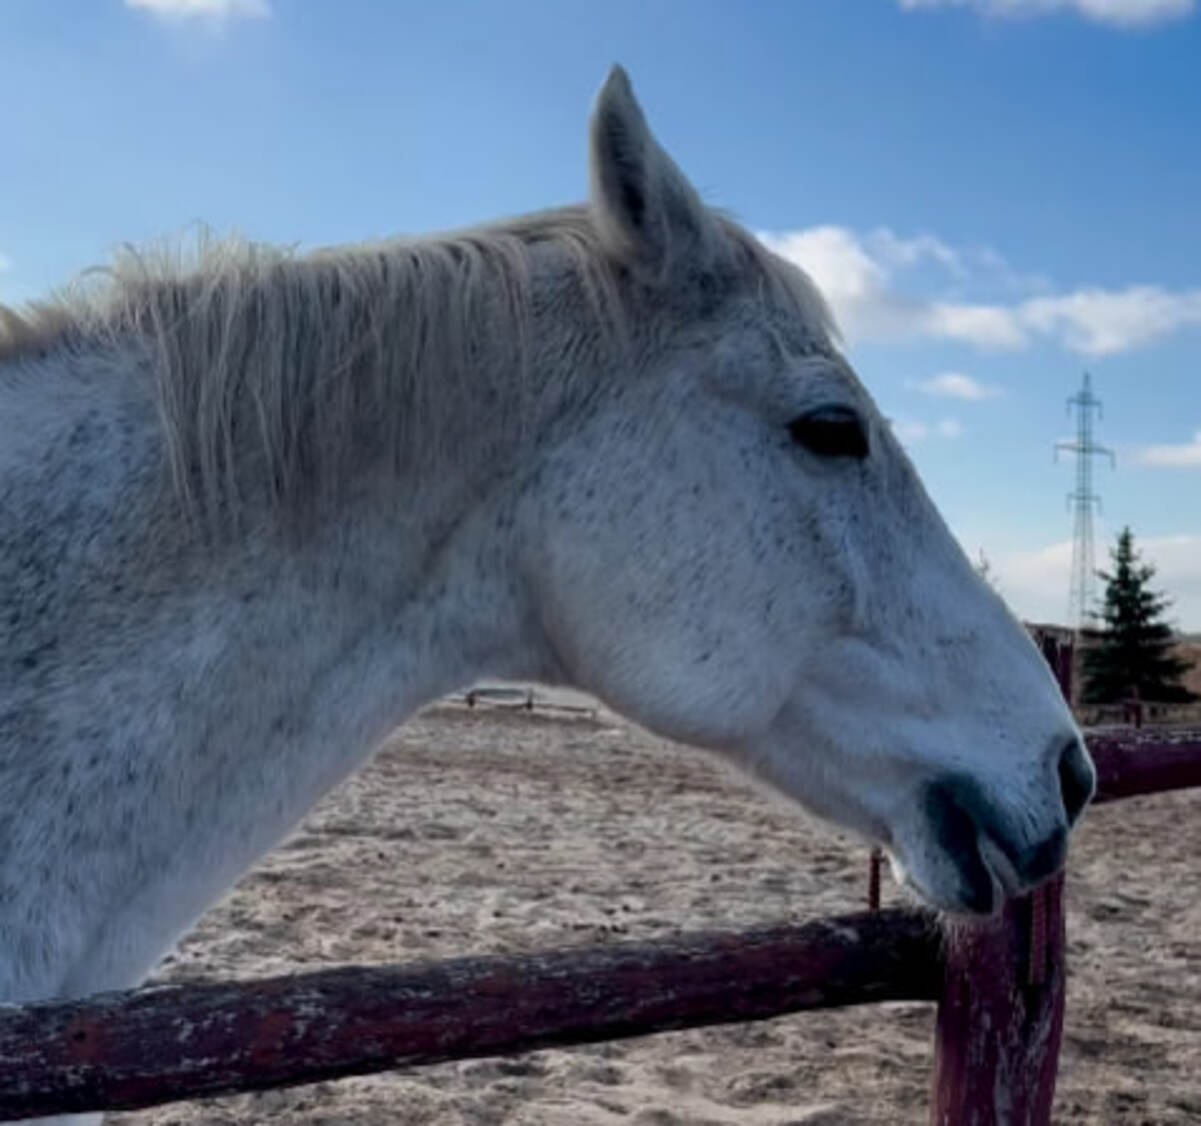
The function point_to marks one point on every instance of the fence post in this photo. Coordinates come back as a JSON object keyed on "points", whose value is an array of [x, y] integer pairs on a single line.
{"points": [[874, 864], [1000, 1019]]}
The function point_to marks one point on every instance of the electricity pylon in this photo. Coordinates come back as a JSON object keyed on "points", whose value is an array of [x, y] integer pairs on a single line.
{"points": [[1082, 501]]}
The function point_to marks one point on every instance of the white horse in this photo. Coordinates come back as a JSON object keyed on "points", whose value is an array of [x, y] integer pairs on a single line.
{"points": [[256, 510]]}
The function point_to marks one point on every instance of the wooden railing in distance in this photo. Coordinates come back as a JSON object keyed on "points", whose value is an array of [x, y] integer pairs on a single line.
{"points": [[1133, 763]]}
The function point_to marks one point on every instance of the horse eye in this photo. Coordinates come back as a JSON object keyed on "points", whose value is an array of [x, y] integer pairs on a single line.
{"points": [[831, 431]]}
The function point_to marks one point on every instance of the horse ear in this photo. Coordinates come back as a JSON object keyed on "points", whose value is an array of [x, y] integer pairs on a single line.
{"points": [[648, 213]]}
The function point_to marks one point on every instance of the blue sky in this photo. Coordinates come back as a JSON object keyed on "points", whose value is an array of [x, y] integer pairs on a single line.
{"points": [[996, 195]]}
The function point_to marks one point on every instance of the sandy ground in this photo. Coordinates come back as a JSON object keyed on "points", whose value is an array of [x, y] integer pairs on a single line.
{"points": [[493, 830]]}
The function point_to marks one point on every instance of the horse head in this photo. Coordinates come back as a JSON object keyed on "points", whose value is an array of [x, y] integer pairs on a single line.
{"points": [[737, 553]]}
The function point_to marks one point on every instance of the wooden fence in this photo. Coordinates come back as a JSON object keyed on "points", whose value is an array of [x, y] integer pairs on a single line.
{"points": [[999, 988]]}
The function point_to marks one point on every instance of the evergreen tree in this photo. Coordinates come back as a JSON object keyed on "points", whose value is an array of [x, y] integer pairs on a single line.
{"points": [[1133, 654]]}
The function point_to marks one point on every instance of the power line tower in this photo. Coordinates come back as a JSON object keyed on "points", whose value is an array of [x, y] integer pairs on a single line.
{"points": [[1082, 501]]}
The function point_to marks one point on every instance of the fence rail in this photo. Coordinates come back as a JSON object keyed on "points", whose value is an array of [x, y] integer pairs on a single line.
{"points": [[148, 1046], [1135, 763], [1000, 987]]}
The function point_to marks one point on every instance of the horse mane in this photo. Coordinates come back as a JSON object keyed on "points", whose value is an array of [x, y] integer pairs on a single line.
{"points": [[313, 359]]}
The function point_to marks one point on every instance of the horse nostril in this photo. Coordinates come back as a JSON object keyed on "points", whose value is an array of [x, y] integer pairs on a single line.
{"points": [[1077, 779]]}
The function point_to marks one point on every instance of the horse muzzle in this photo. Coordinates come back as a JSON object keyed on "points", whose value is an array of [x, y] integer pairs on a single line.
{"points": [[992, 853]]}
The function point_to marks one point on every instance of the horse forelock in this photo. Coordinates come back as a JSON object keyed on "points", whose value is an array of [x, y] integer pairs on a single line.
{"points": [[308, 359]]}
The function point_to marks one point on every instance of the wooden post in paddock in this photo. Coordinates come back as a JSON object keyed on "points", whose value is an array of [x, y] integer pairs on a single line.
{"points": [[874, 865], [1000, 1019]]}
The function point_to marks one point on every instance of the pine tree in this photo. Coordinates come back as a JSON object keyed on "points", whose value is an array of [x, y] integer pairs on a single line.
{"points": [[1133, 655]]}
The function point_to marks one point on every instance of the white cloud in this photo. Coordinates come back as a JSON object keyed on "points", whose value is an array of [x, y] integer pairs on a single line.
{"points": [[960, 263], [986, 326], [1177, 562], [1036, 582], [911, 431], [1186, 456], [870, 284], [1100, 322], [1114, 13], [838, 261], [955, 385], [897, 251], [211, 11]]}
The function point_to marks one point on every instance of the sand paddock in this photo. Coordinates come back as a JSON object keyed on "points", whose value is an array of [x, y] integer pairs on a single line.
{"points": [[493, 830]]}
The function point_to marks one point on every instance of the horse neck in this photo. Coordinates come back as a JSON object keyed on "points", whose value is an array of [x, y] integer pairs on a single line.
{"points": [[429, 549], [401, 583], [394, 592], [205, 693], [389, 600]]}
